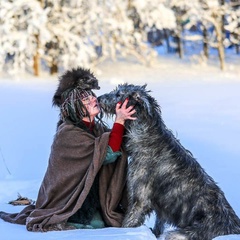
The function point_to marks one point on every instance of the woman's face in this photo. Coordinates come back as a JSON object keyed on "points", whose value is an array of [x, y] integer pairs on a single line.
{"points": [[92, 106]]}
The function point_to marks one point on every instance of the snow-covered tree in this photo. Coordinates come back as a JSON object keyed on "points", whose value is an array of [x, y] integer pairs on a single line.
{"points": [[233, 25], [155, 13], [187, 16], [76, 31], [213, 16], [21, 22], [69, 33], [88, 32], [155, 19], [79, 32]]}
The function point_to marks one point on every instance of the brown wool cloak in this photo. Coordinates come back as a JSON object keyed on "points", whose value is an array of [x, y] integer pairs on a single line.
{"points": [[75, 160]]}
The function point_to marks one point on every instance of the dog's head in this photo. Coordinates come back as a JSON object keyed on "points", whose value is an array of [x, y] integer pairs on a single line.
{"points": [[138, 97], [80, 78]]}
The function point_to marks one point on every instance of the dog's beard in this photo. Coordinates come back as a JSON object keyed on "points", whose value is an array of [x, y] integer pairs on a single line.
{"points": [[108, 111], [107, 115]]}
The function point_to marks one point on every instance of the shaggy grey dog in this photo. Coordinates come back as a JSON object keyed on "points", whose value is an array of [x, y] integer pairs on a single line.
{"points": [[164, 177]]}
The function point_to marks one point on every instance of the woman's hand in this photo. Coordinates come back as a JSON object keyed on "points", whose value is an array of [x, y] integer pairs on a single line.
{"points": [[123, 112]]}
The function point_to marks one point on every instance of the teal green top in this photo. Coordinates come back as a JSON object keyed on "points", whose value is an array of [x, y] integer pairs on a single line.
{"points": [[111, 156]]}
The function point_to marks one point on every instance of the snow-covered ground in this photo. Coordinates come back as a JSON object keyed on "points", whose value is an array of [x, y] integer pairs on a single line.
{"points": [[199, 103]]}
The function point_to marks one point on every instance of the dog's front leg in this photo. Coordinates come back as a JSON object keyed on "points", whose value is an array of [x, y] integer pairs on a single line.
{"points": [[158, 227], [135, 216]]}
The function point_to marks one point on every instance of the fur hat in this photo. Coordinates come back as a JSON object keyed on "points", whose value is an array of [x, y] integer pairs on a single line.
{"points": [[76, 78]]}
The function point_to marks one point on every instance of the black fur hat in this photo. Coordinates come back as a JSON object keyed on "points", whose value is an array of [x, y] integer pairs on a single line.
{"points": [[76, 78]]}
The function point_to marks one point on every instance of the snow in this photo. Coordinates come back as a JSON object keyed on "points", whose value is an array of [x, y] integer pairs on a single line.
{"points": [[199, 103]]}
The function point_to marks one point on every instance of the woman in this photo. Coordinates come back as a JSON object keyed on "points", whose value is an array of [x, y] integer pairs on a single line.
{"points": [[84, 185]]}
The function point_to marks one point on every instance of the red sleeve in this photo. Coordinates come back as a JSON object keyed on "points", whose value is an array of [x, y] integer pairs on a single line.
{"points": [[116, 135]]}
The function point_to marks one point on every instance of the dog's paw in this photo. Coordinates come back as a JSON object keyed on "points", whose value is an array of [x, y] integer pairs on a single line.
{"points": [[173, 236]]}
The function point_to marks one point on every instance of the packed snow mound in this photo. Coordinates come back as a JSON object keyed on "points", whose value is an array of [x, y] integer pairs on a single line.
{"points": [[14, 231], [200, 105], [228, 237]]}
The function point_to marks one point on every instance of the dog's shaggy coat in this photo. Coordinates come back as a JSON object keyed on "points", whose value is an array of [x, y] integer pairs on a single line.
{"points": [[164, 177]]}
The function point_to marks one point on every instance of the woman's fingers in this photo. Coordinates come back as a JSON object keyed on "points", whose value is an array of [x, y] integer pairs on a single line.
{"points": [[123, 112], [124, 105]]}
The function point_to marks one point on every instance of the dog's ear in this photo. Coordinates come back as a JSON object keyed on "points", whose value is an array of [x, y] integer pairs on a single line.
{"points": [[137, 95], [144, 99]]}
